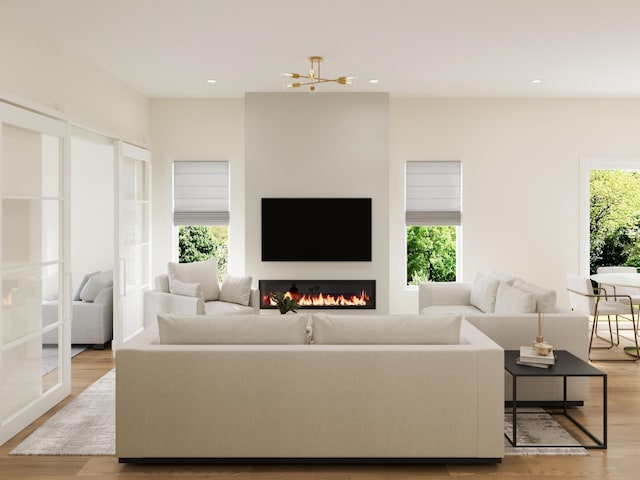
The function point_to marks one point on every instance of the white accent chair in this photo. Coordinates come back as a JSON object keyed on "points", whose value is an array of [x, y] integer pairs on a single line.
{"points": [[632, 292], [584, 300], [193, 288]]}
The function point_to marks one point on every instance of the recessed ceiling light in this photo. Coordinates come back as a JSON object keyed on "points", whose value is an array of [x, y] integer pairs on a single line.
{"points": [[374, 81], [536, 80], [211, 80]]}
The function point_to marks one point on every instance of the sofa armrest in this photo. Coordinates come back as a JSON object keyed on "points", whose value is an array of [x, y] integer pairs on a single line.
{"points": [[156, 302], [443, 293]]}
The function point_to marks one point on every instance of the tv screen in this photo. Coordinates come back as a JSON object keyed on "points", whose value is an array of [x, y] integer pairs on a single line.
{"points": [[316, 229]]}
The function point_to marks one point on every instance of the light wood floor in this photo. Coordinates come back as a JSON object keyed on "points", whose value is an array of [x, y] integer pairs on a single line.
{"points": [[620, 461]]}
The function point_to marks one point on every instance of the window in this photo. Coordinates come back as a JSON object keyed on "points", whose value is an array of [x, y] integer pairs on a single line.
{"points": [[201, 211], [433, 215]]}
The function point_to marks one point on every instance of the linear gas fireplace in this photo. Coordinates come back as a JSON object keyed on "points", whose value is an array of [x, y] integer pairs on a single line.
{"points": [[329, 294]]}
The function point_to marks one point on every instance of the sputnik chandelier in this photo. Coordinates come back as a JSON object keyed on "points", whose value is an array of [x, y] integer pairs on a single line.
{"points": [[314, 77]]}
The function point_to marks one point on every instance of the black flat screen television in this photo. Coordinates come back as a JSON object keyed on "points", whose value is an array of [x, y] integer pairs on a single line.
{"points": [[316, 229]]}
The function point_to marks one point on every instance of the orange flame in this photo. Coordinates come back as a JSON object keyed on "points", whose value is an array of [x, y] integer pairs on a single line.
{"points": [[324, 300]]}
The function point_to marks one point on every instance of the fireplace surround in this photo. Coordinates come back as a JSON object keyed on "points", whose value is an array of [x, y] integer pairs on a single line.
{"points": [[327, 294]]}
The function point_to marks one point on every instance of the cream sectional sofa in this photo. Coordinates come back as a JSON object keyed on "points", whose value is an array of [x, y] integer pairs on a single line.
{"points": [[252, 388], [506, 309]]}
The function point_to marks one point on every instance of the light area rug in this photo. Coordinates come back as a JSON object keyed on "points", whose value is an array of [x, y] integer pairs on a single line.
{"points": [[85, 426], [538, 427], [50, 357]]}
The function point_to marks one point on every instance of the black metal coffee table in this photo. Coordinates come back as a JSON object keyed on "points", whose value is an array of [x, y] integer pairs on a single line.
{"points": [[566, 365]]}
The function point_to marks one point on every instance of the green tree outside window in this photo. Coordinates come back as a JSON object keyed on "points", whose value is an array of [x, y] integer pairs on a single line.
{"points": [[431, 254], [198, 243]]}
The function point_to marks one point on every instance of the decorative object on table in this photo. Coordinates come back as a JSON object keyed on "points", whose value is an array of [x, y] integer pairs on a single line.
{"points": [[540, 346], [530, 356], [285, 302]]}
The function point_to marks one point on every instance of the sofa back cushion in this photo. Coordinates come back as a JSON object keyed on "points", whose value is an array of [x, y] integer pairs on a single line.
{"points": [[205, 273], [513, 300], [483, 293], [235, 329], [545, 298], [95, 284], [236, 289], [331, 329], [501, 276]]}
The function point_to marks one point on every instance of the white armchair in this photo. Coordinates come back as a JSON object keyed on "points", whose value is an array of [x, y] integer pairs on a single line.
{"points": [[192, 288]]}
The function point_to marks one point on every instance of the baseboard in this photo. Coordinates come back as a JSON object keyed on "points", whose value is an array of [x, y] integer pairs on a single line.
{"points": [[311, 461]]}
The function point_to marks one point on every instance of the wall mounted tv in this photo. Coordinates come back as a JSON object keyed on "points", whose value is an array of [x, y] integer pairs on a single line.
{"points": [[316, 229]]}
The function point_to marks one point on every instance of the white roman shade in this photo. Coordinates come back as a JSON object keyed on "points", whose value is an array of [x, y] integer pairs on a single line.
{"points": [[433, 193], [201, 193]]}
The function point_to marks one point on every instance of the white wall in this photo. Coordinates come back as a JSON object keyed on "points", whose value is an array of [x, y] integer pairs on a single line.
{"points": [[40, 70], [520, 177], [322, 145], [92, 200], [520, 174], [196, 129]]}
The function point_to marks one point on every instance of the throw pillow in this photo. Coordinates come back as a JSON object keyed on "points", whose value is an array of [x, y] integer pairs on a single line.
{"points": [[545, 298], [483, 293], [75, 296], [513, 300], [186, 289], [205, 273], [96, 283], [236, 289], [503, 277], [234, 329], [386, 329]]}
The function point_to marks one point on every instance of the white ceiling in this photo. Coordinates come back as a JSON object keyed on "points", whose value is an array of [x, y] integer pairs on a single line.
{"points": [[486, 48]]}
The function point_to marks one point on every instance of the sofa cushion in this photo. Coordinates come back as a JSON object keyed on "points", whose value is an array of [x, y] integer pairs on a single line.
{"points": [[483, 293], [450, 309], [513, 300], [75, 296], [501, 276], [236, 289], [186, 289], [386, 329], [205, 273], [96, 283], [225, 308], [545, 298], [232, 329]]}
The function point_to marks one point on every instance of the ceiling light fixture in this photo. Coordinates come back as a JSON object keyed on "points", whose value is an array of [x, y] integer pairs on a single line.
{"points": [[211, 80], [314, 76]]}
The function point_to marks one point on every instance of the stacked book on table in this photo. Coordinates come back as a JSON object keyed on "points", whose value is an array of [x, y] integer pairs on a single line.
{"points": [[529, 356]]}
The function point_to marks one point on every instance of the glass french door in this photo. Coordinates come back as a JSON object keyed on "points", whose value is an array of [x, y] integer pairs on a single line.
{"points": [[35, 358], [133, 242]]}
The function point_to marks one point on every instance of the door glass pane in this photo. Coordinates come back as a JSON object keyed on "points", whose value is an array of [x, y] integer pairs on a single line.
{"points": [[29, 301], [21, 374], [30, 232], [30, 163]]}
